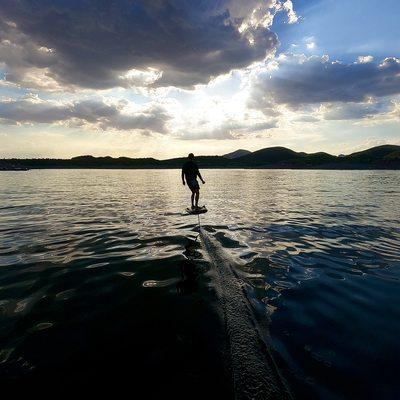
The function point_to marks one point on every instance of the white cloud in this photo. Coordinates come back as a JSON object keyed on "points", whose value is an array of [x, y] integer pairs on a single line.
{"points": [[365, 59], [310, 45], [292, 16]]}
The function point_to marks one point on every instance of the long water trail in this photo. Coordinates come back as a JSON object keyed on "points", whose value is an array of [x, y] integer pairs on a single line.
{"points": [[254, 373]]}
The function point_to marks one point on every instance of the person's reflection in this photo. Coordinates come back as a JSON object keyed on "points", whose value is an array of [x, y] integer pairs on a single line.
{"points": [[190, 249], [189, 274], [188, 282]]}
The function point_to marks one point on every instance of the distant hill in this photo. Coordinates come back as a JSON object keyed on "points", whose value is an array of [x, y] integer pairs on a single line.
{"points": [[268, 155], [203, 161], [320, 158], [120, 162], [375, 154], [236, 154], [380, 157], [281, 157], [393, 156]]}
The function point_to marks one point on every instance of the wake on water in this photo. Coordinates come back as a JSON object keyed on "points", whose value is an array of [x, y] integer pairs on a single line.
{"points": [[254, 373]]}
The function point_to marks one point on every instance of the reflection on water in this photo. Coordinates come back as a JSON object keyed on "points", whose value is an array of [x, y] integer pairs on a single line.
{"points": [[97, 259]]}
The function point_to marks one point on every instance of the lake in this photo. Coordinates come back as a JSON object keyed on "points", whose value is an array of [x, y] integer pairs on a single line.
{"points": [[293, 281]]}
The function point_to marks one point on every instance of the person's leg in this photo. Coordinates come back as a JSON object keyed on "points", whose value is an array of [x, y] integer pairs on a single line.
{"points": [[192, 198], [197, 193]]}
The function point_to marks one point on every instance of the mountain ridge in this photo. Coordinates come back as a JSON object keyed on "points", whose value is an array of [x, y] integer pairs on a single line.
{"points": [[236, 154], [380, 157]]}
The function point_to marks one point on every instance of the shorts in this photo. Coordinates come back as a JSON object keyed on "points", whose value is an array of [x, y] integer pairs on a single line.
{"points": [[193, 184]]}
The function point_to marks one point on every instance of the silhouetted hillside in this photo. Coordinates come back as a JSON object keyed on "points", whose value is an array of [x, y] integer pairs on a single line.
{"points": [[381, 157], [393, 156], [281, 156], [203, 161], [237, 154], [120, 162], [320, 158], [375, 154], [268, 155]]}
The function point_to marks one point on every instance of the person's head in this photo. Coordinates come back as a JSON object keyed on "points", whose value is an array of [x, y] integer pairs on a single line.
{"points": [[191, 156]]}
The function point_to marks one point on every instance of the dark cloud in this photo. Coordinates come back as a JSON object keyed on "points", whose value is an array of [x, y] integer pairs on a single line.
{"points": [[356, 110], [300, 81], [95, 112], [92, 44]]}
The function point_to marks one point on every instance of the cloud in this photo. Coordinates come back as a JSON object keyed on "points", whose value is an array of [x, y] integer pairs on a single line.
{"points": [[103, 114], [355, 110], [97, 45], [298, 80], [230, 129], [94, 112], [365, 59], [292, 16], [395, 112], [306, 118]]}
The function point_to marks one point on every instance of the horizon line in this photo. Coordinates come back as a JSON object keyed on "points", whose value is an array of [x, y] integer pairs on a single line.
{"points": [[202, 155]]}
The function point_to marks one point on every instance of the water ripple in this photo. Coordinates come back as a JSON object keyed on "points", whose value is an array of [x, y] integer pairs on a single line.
{"points": [[317, 252]]}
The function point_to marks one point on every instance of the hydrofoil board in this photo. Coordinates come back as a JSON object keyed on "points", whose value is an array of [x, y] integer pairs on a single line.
{"points": [[198, 210]]}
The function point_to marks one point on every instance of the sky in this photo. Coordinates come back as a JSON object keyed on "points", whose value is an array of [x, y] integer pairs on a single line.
{"points": [[162, 78]]}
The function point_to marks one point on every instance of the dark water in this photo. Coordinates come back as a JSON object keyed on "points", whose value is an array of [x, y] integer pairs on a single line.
{"points": [[96, 287]]}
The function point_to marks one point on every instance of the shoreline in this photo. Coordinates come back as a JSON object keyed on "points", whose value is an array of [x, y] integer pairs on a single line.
{"points": [[320, 168]]}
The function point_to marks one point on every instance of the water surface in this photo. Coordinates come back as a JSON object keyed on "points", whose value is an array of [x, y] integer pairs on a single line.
{"points": [[96, 285]]}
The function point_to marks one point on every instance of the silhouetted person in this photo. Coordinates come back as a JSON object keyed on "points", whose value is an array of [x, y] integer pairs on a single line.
{"points": [[190, 171]]}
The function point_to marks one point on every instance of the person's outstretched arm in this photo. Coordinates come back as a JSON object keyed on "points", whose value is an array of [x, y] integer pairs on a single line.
{"points": [[199, 175], [183, 177]]}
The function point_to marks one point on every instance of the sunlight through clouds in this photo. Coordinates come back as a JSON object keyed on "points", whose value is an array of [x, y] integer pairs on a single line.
{"points": [[210, 72]]}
